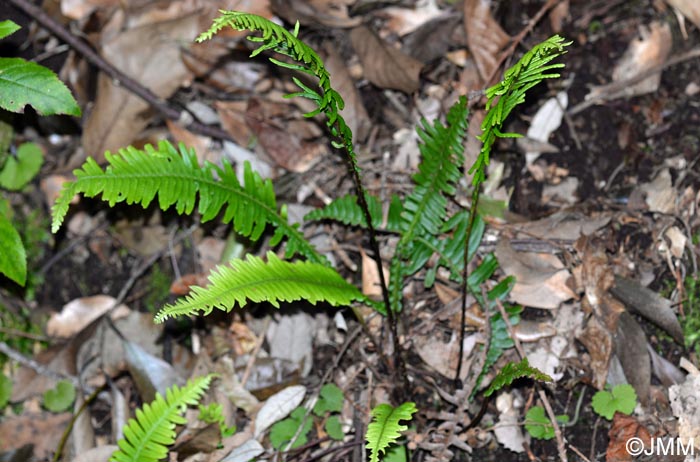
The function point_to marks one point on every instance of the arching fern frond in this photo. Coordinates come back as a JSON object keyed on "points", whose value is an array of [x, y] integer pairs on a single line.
{"points": [[273, 281], [137, 176], [146, 438]]}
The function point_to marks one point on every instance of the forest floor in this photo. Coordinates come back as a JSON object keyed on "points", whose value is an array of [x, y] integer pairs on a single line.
{"points": [[595, 212]]}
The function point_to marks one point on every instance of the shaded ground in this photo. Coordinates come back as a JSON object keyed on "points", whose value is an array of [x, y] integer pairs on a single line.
{"points": [[612, 150]]}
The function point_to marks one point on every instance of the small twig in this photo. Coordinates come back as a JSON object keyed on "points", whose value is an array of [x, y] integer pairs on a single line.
{"points": [[36, 367], [256, 350], [616, 90], [168, 111], [561, 445], [74, 417]]}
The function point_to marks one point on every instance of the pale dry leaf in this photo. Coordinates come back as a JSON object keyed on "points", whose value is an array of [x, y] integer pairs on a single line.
{"points": [[354, 112], [541, 279], [245, 452], [98, 454], [118, 116], [278, 406], [650, 50], [485, 36], [442, 356], [566, 224], [78, 313], [598, 342], [686, 406], [660, 194], [371, 285], [546, 121], [689, 8], [677, 241], [508, 431], [150, 373], [291, 338], [558, 15], [403, 21], [384, 65], [329, 13], [79, 9]]}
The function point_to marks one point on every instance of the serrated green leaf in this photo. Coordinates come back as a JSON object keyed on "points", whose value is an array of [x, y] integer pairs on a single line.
{"points": [[23, 82], [283, 431], [330, 399], [622, 399], [385, 428], [334, 428], [60, 398], [20, 169], [13, 258], [8, 28], [5, 390]]}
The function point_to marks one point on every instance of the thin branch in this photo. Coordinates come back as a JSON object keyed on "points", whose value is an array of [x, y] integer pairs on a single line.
{"points": [[120, 78]]}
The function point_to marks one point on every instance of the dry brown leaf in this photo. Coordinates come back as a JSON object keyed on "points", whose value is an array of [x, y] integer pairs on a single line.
{"points": [[567, 224], [329, 13], [200, 144], [77, 314], [371, 286], [118, 116], [384, 65], [623, 429], [485, 36], [43, 431], [283, 146], [644, 53], [232, 115], [689, 8], [598, 342], [541, 279], [631, 348], [558, 14], [354, 113], [78, 9]]}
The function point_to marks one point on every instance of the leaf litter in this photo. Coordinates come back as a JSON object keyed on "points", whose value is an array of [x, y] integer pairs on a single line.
{"points": [[579, 251]]}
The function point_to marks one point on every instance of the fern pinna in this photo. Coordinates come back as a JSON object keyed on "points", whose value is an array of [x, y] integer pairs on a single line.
{"points": [[137, 176], [385, 429], [147, 437]]}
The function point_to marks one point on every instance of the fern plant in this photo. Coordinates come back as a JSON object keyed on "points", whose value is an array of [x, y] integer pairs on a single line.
{"points": [[147, 437], [385, 428]]}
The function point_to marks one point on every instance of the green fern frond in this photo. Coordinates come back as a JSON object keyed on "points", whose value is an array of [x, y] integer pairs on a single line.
{"points": [[137, 176], [346, 210], [273, 281], [424, 210], [513, 371], [146, 438], [529, 71], [385, 429]]}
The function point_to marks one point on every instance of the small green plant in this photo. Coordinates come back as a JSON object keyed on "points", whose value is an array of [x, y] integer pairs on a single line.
{"points": [[538, 425], [385, 429], [5, 390], [327, 407], [213, 414], [427, 229], [23, 83], [691, 308], [513, 371], [60, 398], [621, 399], [147, 437]]}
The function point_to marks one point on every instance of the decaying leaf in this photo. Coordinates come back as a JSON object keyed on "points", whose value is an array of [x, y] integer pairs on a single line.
{"points": [[630, 347], [118, 115], [685, 405], [546, 121], [329, 13], [644, 53], [689, 8], [278, 406], [485, 36], [540, 279], [384, 65], [77, 314]]}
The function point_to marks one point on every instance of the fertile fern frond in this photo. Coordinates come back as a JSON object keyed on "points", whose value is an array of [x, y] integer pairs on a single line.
{"points": [[385, 428], [328, 101], [529, 71], [273, 281], [146, 438], [137, 176]]}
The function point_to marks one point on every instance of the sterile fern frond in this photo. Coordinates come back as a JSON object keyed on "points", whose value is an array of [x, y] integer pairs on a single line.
{"points": [[529, 71], [424, 210], [385, 428], [347, 211], [273, 281], [146, 438], [137, 176]]}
